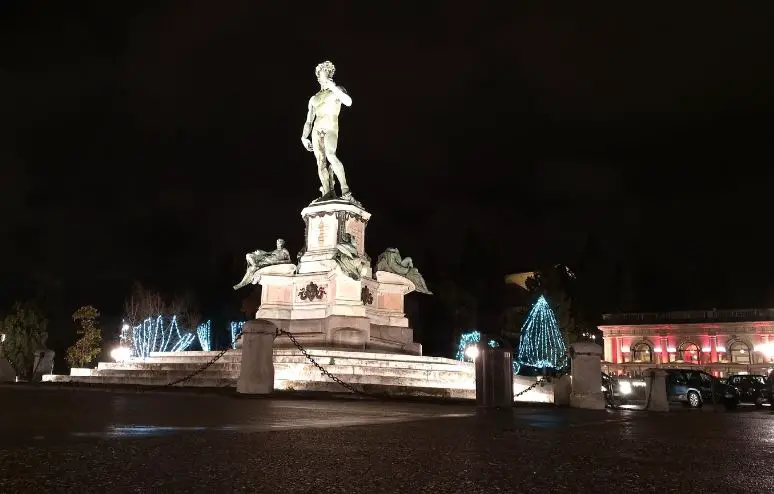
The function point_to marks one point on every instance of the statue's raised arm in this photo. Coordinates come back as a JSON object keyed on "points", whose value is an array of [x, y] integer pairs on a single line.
{"points": [[321, 131]]}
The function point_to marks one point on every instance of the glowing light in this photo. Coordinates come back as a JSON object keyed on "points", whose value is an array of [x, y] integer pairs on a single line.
{"points": [[625, 387], [722, 349], [625, 349], [657, 349], [671, 350], [154, 336], [767, 349], [471, 352], [542, 344], [204, 332], [236, 328], [705, 349], [470, 339], [121, 353]]}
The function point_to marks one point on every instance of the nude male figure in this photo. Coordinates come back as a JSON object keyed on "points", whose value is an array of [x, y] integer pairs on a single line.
{"points": [[322, 122]]}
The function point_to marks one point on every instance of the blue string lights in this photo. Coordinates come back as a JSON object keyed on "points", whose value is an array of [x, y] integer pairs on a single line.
{"points": [[470, 339], [152, 335], [542, 345], [236, 328], [204, 332]]}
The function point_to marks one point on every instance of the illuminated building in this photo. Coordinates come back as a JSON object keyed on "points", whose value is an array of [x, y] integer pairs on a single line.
{"points": [[722, 342]]}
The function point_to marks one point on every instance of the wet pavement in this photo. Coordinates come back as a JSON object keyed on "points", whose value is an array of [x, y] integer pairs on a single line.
{"points": [[64, 440]]}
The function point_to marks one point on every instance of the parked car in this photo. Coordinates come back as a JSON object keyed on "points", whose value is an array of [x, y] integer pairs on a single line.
{"points": [[694, 388], [751, 388], [611, 390]]}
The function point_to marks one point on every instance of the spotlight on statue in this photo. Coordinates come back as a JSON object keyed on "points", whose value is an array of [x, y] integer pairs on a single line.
{"points": [[119, 354], [471, 352]]}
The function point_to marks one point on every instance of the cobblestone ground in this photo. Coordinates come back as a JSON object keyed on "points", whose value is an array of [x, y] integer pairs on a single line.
{"points": [[57, 440]]}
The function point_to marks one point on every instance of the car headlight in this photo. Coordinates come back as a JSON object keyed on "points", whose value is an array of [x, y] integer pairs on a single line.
{"points": [[624, 387]]}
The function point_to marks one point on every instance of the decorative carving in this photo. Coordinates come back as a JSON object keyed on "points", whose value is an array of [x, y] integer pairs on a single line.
{"points": [[347, 258], [260, 259], [312, 292], [391, 262], [366, 296]]}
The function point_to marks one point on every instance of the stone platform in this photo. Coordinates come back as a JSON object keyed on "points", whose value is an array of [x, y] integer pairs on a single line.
{"points": [[393, 374]]}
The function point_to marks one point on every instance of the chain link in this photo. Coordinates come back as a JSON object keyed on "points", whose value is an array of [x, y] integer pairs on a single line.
{"points": [[205, 366], [540, 383], [320, 367]]}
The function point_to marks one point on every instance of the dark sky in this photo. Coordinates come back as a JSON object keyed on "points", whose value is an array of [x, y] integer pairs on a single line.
{"points": [[159, 141]]}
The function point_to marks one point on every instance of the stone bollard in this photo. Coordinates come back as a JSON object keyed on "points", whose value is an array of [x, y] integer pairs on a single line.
{"points": [[655, 380], [586, 376], [562, 391], [256, 374]]}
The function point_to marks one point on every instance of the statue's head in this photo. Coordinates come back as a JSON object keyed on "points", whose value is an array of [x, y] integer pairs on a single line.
{"points": [[324, 71], [347, 238], [280, 243]]}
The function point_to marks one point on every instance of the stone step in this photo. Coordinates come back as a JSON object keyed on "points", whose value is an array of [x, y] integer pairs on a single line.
{"points": [[297, 370], [303, 370], [315, 353], [141, 365], [359, 362], [380, 384], [156, 380], [295, 358]]}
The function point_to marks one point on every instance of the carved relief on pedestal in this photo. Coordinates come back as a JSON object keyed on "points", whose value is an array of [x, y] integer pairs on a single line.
{"points": [[312, 292]]}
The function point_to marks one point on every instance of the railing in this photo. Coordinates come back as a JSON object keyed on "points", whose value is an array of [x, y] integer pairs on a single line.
{"points": [[746, 315]]}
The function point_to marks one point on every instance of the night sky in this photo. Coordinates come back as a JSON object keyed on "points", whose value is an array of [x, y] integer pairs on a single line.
{"points": [[160, 141]]}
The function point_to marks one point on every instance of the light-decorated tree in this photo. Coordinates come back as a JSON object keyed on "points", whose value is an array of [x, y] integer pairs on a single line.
{"points": [[542, 345], [89, 343]]}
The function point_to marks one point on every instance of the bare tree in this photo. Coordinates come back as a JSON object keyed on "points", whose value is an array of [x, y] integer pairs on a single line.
{"points": [[144, 303]]}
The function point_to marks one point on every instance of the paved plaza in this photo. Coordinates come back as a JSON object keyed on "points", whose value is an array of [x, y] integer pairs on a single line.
{"points": [[67, 440]]}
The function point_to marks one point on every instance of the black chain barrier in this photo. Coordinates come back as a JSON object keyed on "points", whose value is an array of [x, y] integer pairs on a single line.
{"points": [[540, 383], [320, 367], [205, 366], [295, 342]]}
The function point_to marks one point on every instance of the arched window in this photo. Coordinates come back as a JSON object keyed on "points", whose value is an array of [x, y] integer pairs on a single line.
{"points": [[739, 352], [642, 352], [689, 352]]}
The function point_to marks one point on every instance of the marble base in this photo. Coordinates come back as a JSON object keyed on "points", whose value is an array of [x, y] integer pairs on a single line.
{"points": [[326, 308]]}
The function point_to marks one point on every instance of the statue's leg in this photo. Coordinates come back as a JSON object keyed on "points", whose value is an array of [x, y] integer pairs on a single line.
{"points": [[318, 146], [247, 278], [331, 142]]}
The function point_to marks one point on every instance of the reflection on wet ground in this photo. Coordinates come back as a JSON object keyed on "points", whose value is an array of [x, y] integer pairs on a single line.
{"points": [[29, 413], [60, 440]]}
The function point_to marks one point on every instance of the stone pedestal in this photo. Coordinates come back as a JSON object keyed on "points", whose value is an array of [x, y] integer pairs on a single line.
{"points": [[323, 306], [586, 376], [655, 382], [256, 374]]}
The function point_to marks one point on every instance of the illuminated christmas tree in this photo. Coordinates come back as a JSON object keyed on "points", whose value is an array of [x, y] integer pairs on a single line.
{"points": [[542, 345]]}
